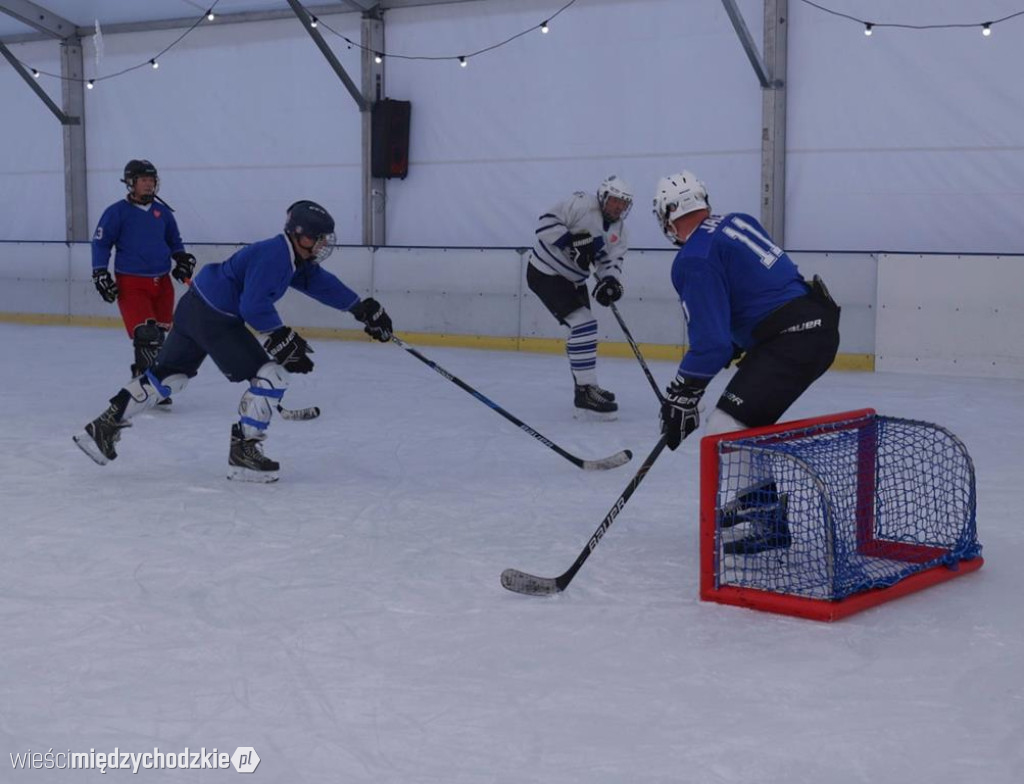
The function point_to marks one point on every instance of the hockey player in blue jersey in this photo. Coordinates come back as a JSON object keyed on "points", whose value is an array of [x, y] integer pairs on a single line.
{"points": [[214, 318], [741, 292], [583, 235], [145, 235]]}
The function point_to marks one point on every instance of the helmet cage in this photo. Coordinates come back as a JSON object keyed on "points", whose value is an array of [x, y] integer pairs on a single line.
{"points": [[308, 220], [618, 188]]}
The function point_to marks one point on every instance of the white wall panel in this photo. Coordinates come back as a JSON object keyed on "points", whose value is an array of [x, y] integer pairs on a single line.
{"points": [[453, 291], [955, 315], [240, 120]]}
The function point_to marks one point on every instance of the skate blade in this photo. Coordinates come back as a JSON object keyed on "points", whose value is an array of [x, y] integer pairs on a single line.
{"points": [[586, 415], [84, 442], [240, 474]]}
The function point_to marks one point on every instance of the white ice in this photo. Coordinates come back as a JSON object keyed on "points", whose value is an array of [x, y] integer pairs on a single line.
{"points": [[348, 623]]}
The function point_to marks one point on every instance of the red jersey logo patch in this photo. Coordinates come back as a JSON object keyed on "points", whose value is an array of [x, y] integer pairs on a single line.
{"points": [[613, 238], [156, 214]]}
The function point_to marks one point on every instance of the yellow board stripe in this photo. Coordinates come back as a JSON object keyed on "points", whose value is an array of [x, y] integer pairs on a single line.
{"points": [[651, 351]]}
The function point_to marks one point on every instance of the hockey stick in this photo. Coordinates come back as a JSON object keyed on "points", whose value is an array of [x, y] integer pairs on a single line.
{"points": [[612, 461], [298, 414], [636, 352], [521, 582]]}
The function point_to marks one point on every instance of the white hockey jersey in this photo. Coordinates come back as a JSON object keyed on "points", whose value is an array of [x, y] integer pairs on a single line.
{"points": [[578, 214]]}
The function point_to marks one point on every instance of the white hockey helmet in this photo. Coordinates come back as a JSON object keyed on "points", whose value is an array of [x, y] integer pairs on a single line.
{"points": [[620, 189], [675, 196]]}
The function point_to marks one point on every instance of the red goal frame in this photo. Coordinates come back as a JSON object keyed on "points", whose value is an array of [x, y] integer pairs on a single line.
{"points": [[867, 542]]}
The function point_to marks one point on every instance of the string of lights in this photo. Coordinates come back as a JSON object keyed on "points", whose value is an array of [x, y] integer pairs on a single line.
{"points": [[870, 26], [209, 15], [153, 62], [462, 59]]}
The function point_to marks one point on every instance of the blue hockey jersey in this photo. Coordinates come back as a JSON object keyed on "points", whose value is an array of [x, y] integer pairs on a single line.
{"points": [[249, 283], [729, 275], [144, 236]]}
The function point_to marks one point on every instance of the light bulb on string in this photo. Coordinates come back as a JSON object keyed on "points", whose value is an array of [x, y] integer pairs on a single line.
{"points": [[544, 26], [463, 61], [867, 28], [986, 29], [90, 84], [313, 22], [154, 63], [35, 73], [378, 58], [210, 15]]}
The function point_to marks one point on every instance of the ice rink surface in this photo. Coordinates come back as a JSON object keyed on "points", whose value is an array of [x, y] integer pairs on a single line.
{"points": [[348, 623]]}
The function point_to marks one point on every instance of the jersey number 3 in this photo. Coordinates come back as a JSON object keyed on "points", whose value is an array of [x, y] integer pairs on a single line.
{"points": [[759, 242]]}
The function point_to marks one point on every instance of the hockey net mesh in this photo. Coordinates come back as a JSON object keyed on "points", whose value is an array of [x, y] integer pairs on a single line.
{"points": [[867, 503]]}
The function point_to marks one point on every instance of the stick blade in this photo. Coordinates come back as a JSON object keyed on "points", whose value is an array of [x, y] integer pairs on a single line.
{"points": [[612, 461], [299, 414], [521, 582]]}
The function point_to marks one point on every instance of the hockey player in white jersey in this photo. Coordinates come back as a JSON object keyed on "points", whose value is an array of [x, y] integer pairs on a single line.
{"points": [[582, 236]]}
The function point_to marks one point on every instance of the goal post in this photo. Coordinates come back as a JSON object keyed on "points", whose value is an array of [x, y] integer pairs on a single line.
{"points": [[824, 517]]}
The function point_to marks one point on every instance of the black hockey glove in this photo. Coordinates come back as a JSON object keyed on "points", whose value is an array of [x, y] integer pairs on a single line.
{"points": [[376, 321], [679, 414], [582, 250], [184, 266], [607, 291], [289, 349], [105, 284]]}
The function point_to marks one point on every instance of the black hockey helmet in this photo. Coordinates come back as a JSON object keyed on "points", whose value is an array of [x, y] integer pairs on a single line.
{"points": [[308, 219], [138, 168]]}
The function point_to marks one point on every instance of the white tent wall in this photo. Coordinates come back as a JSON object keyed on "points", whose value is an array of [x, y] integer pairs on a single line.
{"points": [[907, 140], [640, 90], [31, 145], [240, 120]]}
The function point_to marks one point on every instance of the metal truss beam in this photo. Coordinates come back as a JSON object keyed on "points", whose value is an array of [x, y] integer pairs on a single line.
{"points": [[31, 82], [38, 18]]}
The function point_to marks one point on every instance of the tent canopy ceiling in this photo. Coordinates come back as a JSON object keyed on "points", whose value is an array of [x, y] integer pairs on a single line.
{"points": [[23, 19]]}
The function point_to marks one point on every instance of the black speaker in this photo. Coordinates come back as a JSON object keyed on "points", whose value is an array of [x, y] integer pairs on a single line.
{"points": [[389, 148]]}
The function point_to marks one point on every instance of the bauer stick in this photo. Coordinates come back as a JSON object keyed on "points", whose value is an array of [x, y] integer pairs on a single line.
{"points": [[298, 414], [636, 352], [612, 461], [521, 582]]}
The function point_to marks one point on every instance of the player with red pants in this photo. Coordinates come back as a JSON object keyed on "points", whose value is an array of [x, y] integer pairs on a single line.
{"points": [[143, 231]]}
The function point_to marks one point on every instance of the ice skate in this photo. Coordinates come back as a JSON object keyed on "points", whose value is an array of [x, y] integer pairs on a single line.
{"points": [[757, 502], [246, 461], [768, 532], [609, 396], [100, 436], [164, 404], [591, 404]]}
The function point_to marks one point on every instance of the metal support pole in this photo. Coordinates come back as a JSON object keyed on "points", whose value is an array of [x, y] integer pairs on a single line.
{"points": [[76, 207], [374, 188], [773, 114]]}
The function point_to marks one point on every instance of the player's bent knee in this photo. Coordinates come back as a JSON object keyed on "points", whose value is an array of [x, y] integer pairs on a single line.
{"points": [[579, 317], [271, 376], [265, 391]]}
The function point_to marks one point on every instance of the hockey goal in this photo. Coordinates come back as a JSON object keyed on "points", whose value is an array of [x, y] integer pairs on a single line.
{"points": [[823, 517]]}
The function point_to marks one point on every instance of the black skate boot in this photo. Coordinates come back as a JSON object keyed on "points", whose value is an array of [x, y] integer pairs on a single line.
{"points": [[246, 461], [100, 435], [590, 404], [770, 531], [759, 501], [609, 396]]}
